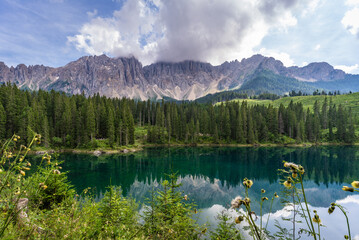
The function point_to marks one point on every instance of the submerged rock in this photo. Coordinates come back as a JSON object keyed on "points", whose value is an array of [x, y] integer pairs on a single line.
{"points": [[97, 153]]}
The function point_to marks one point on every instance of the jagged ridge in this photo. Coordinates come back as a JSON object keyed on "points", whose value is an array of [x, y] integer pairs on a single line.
{"points": [[188, 80]]}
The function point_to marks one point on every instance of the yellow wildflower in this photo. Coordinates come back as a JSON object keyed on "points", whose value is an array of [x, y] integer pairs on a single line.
{"points": [[301, 169], [264, 198], [239, 219], [247, 201], [263, 191], [316, 218], [331, 209], [22, 172], [287, 184], [276, 195], [355, 184], [247, 183], [348, 189]]}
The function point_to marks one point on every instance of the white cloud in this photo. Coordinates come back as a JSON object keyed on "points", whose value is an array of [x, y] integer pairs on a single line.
{"points": [[349, 69], [352, 2], [351, 21], [282, 56], [311, 7], [119, 35], [317, 47], [212, 31], [92, 14]]}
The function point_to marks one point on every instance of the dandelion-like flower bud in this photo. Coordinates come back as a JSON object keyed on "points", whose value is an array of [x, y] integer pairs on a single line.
{"points": [[204, 231], [355, 184], [290, 165], [301, 169], [43, 186], [294, 174], [276, 195], [348, 189], [26, 168], [237, 202], [288, 183], [264, 199], [56, 171], [28, 164], [263, 191], [247, 201], [239, 219], [247, 183], [346, 237], [22, 172], [331, 209], [185, 197], [316, 218]]}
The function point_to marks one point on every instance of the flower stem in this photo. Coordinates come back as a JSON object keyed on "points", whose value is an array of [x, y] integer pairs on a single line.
{"points": [[306, 204], [270, 210], [345, 214]]}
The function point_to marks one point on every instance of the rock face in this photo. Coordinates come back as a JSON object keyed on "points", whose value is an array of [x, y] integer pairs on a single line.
{"points": [[125, 77]]}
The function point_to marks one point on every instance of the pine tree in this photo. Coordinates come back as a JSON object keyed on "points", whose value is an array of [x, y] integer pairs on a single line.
{"points": [[2, 122], [45, 132], [110, 127], [250, 137], [90, 121]]}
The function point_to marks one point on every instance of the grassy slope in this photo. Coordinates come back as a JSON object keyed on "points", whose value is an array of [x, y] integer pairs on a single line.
{"points": [[348, 100]]}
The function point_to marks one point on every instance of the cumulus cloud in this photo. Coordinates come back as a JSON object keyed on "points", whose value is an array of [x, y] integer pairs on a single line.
{"points": [[348, 69], [171, 30], [311, 7], [351, 18], [352, 2]]}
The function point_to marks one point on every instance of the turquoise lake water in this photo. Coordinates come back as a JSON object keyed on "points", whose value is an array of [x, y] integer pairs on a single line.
{"points": [[212, 177]]}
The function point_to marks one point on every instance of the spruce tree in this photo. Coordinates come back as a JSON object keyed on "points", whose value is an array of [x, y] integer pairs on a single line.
{"points": [[2, 122]]}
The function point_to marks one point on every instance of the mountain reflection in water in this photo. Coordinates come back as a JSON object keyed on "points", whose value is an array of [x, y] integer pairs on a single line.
{"points": [[212, 176]]}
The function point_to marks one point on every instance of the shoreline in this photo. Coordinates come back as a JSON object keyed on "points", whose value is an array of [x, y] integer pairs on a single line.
{"points": [[98, 152]]}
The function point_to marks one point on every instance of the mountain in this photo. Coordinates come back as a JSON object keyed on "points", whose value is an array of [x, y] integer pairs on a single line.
{"points": [[187, 80]]}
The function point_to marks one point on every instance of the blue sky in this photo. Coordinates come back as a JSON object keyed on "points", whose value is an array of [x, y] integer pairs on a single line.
{"points": [[297, 32]]}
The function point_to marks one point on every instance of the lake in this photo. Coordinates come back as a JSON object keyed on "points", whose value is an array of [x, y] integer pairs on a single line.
{"points": [[212, 177]]}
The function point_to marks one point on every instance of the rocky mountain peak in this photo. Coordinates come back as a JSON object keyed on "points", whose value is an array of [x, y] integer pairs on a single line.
{"points": [[317, 71], [126, 77]]}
